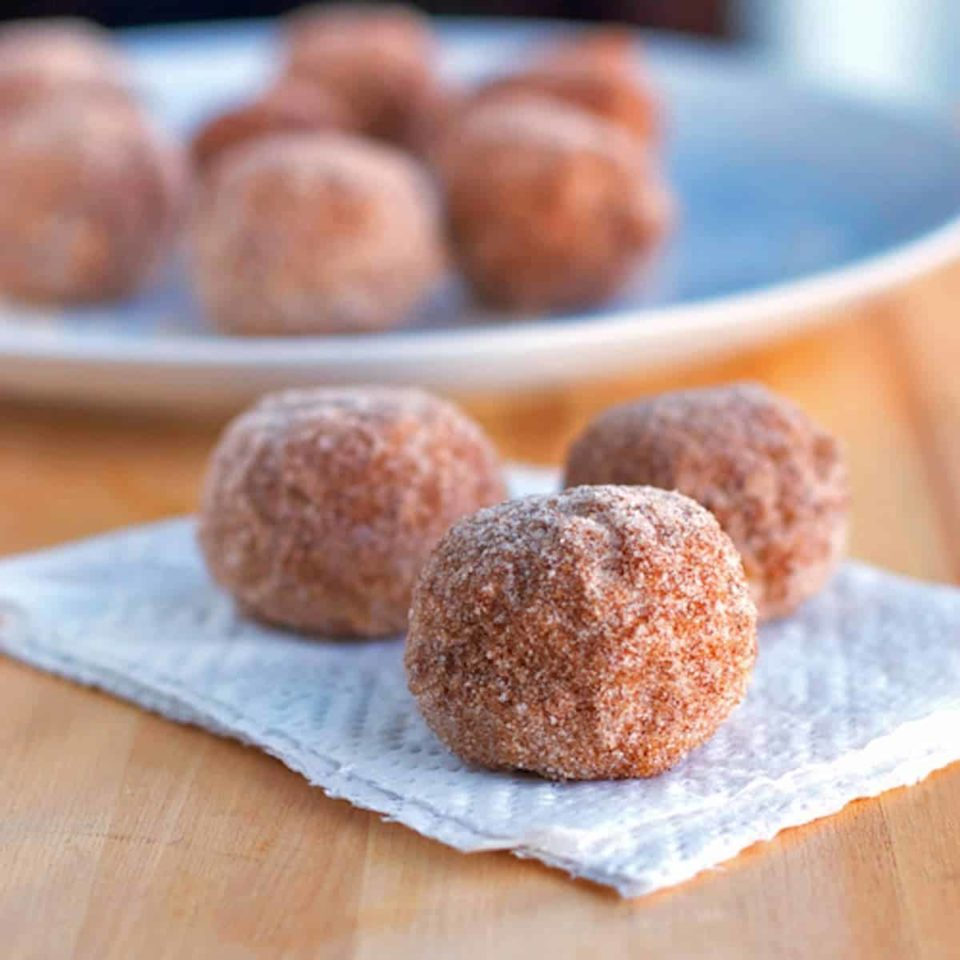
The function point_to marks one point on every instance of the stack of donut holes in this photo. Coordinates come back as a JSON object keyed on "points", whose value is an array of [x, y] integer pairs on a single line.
{"points": [[601, 632], [338, 198]]}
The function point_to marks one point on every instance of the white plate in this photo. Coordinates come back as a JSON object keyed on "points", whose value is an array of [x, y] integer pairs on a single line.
{"points": [[793, 199]]}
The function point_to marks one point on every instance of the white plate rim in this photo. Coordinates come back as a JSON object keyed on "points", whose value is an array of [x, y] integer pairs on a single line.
{"points": [[811, 294]]}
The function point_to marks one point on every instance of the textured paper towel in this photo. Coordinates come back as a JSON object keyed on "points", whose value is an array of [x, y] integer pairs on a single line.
{"points": [[857, 694]]}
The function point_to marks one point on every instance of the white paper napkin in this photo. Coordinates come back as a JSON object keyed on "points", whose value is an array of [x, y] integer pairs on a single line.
{"points": [[857, 694]]}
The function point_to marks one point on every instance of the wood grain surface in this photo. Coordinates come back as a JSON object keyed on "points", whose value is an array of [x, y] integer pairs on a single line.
{"points": [[125, 836]]}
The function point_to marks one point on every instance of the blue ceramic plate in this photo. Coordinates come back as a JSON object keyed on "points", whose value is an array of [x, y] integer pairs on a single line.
{"points": [[793, 200]]}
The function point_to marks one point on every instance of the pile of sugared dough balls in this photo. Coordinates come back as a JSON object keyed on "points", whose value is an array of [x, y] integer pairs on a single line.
{"points": [[601, 632], [319, 212], [339, 198], [91, 192]]}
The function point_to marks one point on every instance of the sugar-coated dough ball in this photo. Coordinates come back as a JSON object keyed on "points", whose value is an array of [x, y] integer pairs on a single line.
{"points": [[596, 71], [439, 107], [289, 107], [549, 207], [603, 632], [25, 91], [59, 52], [90, 198], [611, 48], [315, 233], [776, 482], [378, 57], [604, 92], [43, 60], [320, 506]]}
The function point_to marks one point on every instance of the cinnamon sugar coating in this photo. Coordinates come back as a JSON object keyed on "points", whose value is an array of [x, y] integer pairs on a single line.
{"points": [[90, 199], [289, 107], [776, 482], [603, 632], [320, 506], [315, 233], [379, 58], [549, 207]]}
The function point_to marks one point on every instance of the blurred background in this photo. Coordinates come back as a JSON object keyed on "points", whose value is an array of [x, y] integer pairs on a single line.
{"points": [[894, 48], [701, 16]]}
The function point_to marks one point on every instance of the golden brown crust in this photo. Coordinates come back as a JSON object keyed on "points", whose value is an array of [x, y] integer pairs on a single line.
{"points": [[315, 233], [600, 633], [90, 197], [320, 506], [776, 482], [549, 207]]}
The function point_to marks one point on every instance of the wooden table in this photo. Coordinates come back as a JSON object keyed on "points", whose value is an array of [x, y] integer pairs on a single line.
{"points": [[125, 836]]}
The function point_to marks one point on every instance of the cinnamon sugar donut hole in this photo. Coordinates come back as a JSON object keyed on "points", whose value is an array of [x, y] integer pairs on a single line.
{"points": [[59, 54], [595, 71], [315, 233], [320, 506], [603, 632], [604, 92], [28, 91], [379, 58], [289, 107], [549, 207], [441, 105], [610, 48], [776, 482], [59, 59], [90, 198]]}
